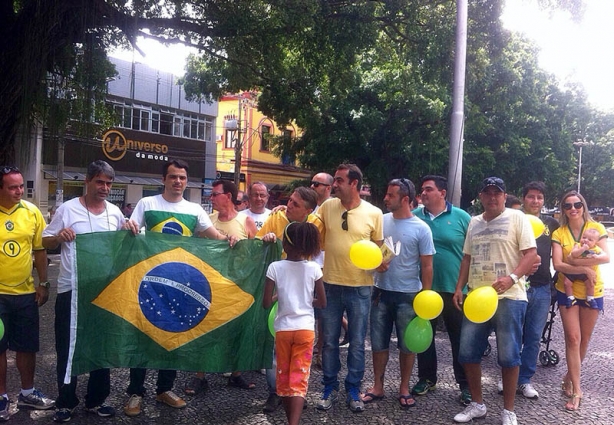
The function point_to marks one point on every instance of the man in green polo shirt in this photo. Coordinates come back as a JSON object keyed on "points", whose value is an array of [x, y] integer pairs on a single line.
{"points": [[449, 226]]}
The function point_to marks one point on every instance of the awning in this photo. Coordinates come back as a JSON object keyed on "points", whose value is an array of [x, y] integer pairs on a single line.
{"points": [[144, 181]]}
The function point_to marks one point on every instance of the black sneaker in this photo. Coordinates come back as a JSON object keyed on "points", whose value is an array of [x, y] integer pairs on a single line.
{"points": [[423, 386], [272, 403], [104, 410], [5, 403], [63, 415], [465, 397]]}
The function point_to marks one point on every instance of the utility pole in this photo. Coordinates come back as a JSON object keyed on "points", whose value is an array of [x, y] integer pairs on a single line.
{"points": [[238, 147], [580, 143], [455, 171]]}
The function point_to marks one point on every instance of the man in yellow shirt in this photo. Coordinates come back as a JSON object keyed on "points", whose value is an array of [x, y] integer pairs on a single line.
{"points": [[300, 206], [21, 235], [347, 219]]}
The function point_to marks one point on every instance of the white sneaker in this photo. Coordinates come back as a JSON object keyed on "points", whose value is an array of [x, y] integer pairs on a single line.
{"points": [[473, 411], [500, 387], [508, 418], [528, 391]]}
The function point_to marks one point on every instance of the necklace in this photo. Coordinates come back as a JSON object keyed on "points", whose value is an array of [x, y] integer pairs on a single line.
{"points": [[89, 218]]}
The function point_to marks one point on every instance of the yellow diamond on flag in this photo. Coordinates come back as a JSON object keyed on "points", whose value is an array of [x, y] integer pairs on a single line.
{"points": [[174, 297], [172, 226]]}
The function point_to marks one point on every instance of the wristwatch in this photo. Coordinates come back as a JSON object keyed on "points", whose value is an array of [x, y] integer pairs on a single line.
{"points": [[44, 284], [514, 278]]}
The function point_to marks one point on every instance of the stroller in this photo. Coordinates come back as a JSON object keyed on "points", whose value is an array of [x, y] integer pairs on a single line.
{"points": [[549, 357]]}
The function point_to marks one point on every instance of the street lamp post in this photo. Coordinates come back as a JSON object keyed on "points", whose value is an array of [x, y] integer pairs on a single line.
{"points": [[237, 127], [580, 143]]}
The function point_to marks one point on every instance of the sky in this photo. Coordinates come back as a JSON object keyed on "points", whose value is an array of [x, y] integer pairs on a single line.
{"points": [[582, 52]]}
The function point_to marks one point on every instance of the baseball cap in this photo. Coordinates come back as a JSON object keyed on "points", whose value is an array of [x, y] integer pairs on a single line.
{"points": [[492, 181]]}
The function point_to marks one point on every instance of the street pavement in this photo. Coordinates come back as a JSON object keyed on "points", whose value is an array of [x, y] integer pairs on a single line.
{"points": [[227, 405]]}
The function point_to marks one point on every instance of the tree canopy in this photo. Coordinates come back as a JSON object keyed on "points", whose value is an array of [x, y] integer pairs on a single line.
{"points": [[369, 81], [387, 108]]}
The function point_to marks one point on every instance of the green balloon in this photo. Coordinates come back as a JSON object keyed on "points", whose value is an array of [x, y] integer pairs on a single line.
{"points": [[1, 329], [272, 316], [418, 335]]}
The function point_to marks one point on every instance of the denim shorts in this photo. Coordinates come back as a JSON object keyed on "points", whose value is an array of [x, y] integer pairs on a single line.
{"points": [[561, 298], [20, 316], [507, 323], [388, 308]]}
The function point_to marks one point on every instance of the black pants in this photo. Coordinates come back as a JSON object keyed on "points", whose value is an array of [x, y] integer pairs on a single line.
{"points": [[166, 380], [427, 361], [99, 383]]}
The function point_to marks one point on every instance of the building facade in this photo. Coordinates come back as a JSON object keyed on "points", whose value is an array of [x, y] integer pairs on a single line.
{"points": [[154, 123], [257, 160]]}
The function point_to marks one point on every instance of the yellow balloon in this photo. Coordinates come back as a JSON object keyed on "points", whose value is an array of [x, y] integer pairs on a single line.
{"points": [[365, 255], [537, 225], [481, 304], [428, 304]]}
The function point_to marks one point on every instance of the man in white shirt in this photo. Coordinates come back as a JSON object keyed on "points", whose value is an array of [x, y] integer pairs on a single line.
{"points": [[258, 198], [86, 214], [172, 214]]}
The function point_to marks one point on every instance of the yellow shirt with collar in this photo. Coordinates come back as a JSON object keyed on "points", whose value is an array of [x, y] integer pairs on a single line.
{"points": [[365, 222], [21, 232]]}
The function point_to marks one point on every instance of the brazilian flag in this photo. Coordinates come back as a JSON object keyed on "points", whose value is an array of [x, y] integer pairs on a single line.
{"points": [[170, 302]]}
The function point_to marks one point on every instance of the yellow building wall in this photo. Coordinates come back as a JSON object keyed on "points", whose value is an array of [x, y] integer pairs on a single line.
{"points": [[256, 163]]}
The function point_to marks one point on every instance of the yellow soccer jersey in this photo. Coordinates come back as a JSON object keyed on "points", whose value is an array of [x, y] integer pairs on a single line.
{"points": [[21, 232]]}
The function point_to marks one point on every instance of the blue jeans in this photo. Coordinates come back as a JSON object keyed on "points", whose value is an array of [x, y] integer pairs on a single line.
{"points": [[507, 323], [271, 382], [355, 301], [390, 308], [534, 322]]}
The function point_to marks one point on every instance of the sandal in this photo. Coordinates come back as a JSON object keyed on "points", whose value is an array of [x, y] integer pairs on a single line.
{"points": [[369, 397], [567, 388], [195, 385], [240, 382], [406, 401], [574, 403]]}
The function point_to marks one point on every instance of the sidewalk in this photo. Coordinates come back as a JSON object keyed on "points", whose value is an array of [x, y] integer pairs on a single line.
{"points": [[226, 405]]}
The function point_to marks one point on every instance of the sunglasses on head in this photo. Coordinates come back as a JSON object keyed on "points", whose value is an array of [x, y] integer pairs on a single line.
{"points": [[344, 223], [405, 183], [577, 205], [9, 170], [318, 184]]}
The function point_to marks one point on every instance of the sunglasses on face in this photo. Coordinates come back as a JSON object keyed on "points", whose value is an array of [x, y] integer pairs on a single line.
{"points": [[318, 184], [344, 223], [568, 205]]}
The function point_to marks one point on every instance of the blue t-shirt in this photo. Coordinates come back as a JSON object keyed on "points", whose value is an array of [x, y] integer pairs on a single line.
{"points": [[416, 239]]}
